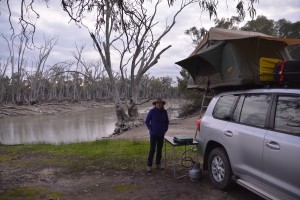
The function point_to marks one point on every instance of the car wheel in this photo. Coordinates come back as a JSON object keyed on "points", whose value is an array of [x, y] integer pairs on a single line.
{"points": [[220, 172]]}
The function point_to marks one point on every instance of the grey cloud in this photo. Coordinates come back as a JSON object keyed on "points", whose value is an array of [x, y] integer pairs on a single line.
{"points": [[69, 33]]}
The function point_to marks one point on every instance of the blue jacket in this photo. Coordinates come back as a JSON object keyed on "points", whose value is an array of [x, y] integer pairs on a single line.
{"points": [[157, 121]]}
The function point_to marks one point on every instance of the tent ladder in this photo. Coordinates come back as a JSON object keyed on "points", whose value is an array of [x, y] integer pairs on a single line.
{"points": [[206, 98]]}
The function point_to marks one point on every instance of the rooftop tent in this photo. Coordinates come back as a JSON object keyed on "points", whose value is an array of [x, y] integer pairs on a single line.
{"points": [[231, 57]]}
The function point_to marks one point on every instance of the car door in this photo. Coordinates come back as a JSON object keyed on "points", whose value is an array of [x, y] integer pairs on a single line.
{"points": [[281, 155], [246, 134]]}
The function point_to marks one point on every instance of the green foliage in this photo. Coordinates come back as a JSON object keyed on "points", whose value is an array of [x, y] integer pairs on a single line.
{"points": [[4, 158], [183, 82], [111, 154], [211, 7], [26, 193], [287, 29], [196, 35], [192, 94], [228, 23], [260, 24], [160, 87], [124, 187]]}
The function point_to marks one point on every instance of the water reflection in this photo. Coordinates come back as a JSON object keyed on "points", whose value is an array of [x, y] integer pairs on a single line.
{"points": [[88, 125]]}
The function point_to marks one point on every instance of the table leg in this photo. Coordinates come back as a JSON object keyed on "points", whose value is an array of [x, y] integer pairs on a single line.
{"points": [[174, 164], [165, 153], [185, 154]]}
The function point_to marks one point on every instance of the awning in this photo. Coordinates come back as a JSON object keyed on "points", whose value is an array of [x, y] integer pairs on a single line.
{"points": [[204, 63]]}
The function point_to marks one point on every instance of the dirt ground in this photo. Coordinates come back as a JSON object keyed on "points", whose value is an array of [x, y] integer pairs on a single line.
{"points": [[122, 185]]}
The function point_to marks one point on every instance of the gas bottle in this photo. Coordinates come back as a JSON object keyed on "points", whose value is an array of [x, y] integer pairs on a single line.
{"points": [[195, 173]]}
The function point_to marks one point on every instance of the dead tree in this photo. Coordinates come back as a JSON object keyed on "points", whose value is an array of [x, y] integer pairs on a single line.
{"points": [[36, 84], [17, 64], [135, 32]]}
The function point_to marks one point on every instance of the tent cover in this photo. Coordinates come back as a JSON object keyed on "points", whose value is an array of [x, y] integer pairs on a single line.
{"points": [[231, 57]]}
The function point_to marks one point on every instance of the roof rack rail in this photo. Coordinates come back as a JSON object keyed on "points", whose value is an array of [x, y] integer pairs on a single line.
{"points": [[286, 80]]}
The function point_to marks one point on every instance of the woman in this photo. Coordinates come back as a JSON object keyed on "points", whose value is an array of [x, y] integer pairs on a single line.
{"points": [[157, 122]]}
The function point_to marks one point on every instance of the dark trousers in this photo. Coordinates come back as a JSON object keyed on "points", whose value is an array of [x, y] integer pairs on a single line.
{"points": [[156, 143]]}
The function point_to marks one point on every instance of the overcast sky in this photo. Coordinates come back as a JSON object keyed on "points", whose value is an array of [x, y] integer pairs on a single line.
{"points": [[54, 22]]}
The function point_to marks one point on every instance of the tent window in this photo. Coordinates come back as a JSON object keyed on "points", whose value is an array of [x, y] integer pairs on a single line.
{"points": [[211, 43]]}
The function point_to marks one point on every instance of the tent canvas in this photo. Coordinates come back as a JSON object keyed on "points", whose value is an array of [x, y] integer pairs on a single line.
{"points": [[231, 57]]}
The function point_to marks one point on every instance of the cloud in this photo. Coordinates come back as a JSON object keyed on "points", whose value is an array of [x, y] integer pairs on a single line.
{"points": [[53, 22], [288, 9]]}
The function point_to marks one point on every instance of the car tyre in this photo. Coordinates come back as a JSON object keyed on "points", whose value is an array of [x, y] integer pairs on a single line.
{"points": [[220, 172]]}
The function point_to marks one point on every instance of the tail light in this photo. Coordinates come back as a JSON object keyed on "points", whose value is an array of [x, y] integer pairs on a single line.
{"points": [[198, 124]]}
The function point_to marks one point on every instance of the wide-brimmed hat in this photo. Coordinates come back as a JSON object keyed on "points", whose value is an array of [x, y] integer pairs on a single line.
{"points": [[159, 100]]}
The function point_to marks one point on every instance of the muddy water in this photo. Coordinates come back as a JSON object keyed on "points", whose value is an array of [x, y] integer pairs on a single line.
{"points": [[88, 125], [85, 125]]}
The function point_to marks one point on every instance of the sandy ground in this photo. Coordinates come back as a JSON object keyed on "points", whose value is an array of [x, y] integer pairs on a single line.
{"points": [[185, 126], [122, 185]]}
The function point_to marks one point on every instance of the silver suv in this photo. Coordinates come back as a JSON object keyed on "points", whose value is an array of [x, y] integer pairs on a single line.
{"points": [[252, 137]]}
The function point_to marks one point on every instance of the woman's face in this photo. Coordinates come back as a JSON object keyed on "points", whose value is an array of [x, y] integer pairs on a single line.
{"points": [[159, 105]]}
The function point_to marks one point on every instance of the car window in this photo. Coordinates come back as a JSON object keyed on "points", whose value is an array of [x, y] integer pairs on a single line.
{"points": [[224, 107], [237, 111], [287, 117], [254, 109]]}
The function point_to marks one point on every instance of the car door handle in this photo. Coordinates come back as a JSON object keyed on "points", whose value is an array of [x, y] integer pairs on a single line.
{"points": [[228, 133], [273, 145]]}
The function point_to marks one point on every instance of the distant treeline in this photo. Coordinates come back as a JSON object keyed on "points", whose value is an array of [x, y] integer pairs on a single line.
{"points": [[58, 85]]}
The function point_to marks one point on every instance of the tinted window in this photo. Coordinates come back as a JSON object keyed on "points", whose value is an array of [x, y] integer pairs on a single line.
{"points": [[287, 116], [254, 110], [224, 107]]}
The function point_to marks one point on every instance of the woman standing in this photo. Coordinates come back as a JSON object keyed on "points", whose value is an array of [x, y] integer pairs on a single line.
{"points": [[157, 122]]}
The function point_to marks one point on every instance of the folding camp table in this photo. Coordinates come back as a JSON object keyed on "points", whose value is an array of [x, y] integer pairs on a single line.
{"points": [[169, 139]]}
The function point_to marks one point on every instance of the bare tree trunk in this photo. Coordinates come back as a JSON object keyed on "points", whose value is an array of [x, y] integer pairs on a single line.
{"points": [[3, 69], [104, 52], [135, 30], [35, 89]]}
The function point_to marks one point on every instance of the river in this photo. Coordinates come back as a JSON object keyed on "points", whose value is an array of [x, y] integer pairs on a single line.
{"points": [[72, 127]]}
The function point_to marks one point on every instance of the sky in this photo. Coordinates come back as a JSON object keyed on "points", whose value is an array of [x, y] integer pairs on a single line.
{"points": [[53, 22]]}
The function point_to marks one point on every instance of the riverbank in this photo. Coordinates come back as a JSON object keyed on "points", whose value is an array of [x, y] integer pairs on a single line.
{"points": [[52, 108]]}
